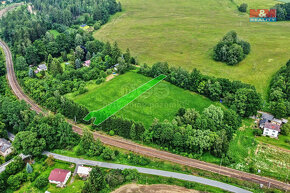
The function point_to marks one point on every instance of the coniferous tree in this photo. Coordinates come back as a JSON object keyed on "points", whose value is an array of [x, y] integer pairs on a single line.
{"points": [[29, 168]]}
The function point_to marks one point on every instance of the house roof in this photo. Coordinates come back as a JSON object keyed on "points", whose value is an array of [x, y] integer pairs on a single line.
{"points": [[42, 67], [267, 116], [84, 25], [58, 175], [272, 126], [4, 145], [84, 170]]}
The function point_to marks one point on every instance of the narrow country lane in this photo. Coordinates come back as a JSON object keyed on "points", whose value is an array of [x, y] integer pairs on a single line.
{"points": [[180, 176], [137, 148]]}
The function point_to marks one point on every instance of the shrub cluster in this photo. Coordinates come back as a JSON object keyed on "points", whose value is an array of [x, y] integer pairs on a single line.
{"points": [[231, 50], [279, 94], [195, 133], [283, 11], [242, 98]]}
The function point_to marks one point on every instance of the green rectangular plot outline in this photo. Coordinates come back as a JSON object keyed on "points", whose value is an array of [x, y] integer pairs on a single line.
{"points": [[109, 110]]}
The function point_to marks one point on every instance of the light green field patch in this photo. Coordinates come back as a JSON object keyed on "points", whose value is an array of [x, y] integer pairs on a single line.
{"points": [[111, 109], [184, 32], [161, 102]]}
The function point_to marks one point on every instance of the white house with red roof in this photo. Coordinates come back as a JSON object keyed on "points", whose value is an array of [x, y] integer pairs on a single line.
{"points": [[271, 129], [59, 176]]}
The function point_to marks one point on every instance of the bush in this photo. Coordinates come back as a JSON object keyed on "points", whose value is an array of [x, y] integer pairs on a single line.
{"points": [[112, 132], [115, 178], [230, 49], [130, 174], [100, 80], [97, 25], [258, 132], [108, 154], [41, 182], [243, 7]]}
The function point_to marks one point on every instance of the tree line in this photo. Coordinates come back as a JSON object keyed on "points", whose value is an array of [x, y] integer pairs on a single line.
{"points": [[279, 93], [28, 27], [194, 134], [35, 133], [240, 97]]}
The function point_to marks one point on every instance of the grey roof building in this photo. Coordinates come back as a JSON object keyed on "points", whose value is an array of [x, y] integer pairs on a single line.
{"points": [[42, 67], [5, 147]]}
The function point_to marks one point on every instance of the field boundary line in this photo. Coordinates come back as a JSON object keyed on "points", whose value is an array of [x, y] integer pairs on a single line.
{"points": [[89, 116]]}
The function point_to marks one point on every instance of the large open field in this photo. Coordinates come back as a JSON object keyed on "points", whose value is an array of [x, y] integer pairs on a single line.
{"points": [[162, 101], [184, 32]]}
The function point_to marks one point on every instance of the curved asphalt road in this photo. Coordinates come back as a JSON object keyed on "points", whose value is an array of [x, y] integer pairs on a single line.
{"points": [[180, 176]]}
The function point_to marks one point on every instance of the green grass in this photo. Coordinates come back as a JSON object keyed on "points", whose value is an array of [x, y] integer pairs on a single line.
{"points": [[43, 170], [54, 33], [247, 152], [111, 109], [162, 101], [280, 142], [258, 4], [184, 33]]}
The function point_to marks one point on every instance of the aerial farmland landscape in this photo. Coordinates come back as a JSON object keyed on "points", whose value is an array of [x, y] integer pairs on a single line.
{"points": [[155, 96]]}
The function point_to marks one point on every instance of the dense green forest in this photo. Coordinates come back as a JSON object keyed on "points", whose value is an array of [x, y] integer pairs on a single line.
{"points": [[279, 94], [242, 98]]}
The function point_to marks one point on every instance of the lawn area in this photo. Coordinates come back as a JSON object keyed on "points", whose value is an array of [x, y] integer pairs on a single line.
{"points": [[43, 170], [250, 155], [162, 101], [184, 33], [280, 142]]}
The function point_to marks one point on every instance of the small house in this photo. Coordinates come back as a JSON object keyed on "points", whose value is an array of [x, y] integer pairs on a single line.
{"points": [[84, 172], [271, 129], [5, 147], [3, 2], [87, 63], [59, 176], [42, 67]]}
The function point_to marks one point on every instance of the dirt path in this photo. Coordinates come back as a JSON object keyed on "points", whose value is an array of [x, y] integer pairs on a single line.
{"points": [[6, 9], [110, 77], [157, 188]]}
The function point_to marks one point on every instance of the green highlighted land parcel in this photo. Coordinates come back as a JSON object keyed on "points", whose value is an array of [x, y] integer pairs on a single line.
{"points": [[109, 110]]}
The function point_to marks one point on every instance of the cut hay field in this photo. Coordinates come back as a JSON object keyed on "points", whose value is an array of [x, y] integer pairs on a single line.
{"points": [[162, 101], [184, 32]]}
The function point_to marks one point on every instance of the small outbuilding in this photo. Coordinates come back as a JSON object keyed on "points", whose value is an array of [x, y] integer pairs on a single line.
{"points": [[59, 176], [83, 171], [5, 147], [87, 63], [42, 67]]}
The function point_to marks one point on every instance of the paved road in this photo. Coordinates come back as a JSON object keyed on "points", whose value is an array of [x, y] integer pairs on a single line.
{"points": [[180, 176], [137, 148], [3, 166]]}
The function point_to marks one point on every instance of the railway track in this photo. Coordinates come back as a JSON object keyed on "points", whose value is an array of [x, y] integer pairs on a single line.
{"points": [[137, 148]]}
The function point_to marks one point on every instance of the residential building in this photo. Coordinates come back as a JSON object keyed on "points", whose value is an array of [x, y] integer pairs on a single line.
{"points": [[271, 129], [59, 176], [5, 147], [84, 172], [87, 63], [42, 67]]}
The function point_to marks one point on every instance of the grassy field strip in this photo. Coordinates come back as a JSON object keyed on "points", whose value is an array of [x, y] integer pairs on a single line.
{"points": [[111, 109]]}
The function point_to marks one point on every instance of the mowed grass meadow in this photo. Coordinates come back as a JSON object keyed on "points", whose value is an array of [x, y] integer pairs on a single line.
{"points": [[184, 32], [161, 102]]}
